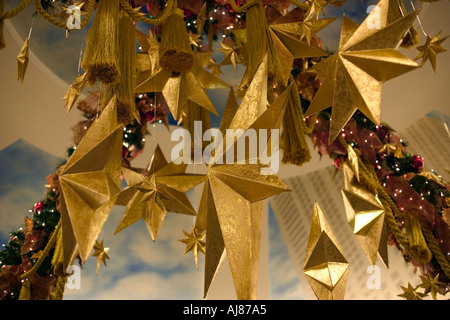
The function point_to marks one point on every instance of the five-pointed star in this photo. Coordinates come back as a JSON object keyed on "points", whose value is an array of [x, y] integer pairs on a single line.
{"points": [[194, 242], [411, 293], [231, 56], [231, 204], [430, 49], [154, 191], [178, 88], [101, 253], [353, 77], [432, 285]]}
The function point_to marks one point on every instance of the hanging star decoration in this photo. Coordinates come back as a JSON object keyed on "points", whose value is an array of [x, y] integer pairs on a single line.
{"points": [[22, 60], [287, 47], [231, 204], [101, 253], [194, 242], [230, 56], [432, 47], [366, 58], [311, 26], [431, 285], [326, 267], [154, 191], [411, 293], [178, 88], [90, 181], [366, 217], [75, 91], [392, 149]]}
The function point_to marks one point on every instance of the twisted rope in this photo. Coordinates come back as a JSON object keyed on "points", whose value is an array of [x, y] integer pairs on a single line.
{"points": [[14, 12], [62, 24]]}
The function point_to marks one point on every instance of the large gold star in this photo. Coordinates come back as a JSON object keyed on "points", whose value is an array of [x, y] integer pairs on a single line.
{"points": [[101, 253], [178, 88], [430, 49], [90, 182], [326, 267], [353, 77], [231, 204], [411, 293], [154, 191]]}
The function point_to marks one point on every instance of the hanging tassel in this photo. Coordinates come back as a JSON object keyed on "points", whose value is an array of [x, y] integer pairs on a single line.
{"points": [[175, 52], [101, 56], [124, 88], [418, 247], [293, 137], [193, 112], [25, 291], [258, 44]]}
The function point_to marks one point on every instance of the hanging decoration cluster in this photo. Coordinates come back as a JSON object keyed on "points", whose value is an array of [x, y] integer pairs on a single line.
{"points": [[289, 85]]}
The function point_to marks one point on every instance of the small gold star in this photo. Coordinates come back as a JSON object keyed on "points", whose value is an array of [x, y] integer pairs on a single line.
{"points": [[431, 285], [101, 253], [194, 242], [411, 293], [391, 148], [430, 49]]}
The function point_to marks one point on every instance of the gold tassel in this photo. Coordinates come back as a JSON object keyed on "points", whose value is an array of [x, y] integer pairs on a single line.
{"points": [[418, 247], [194, 112], [124, 88], [25, 291], [175, 52], [293, 138], [58, 269], [258, 44], [101, 56]]}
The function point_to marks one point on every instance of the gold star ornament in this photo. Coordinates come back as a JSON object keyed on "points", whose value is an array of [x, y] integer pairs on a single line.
{"points": [[154, 191], [432, 285], [428, 51], [232, 201], [366, 217], [366, 58], [326, 267], [411, 293], [101, 253], [74, 91], [90, 182], [194, 242], [178, 88]]}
